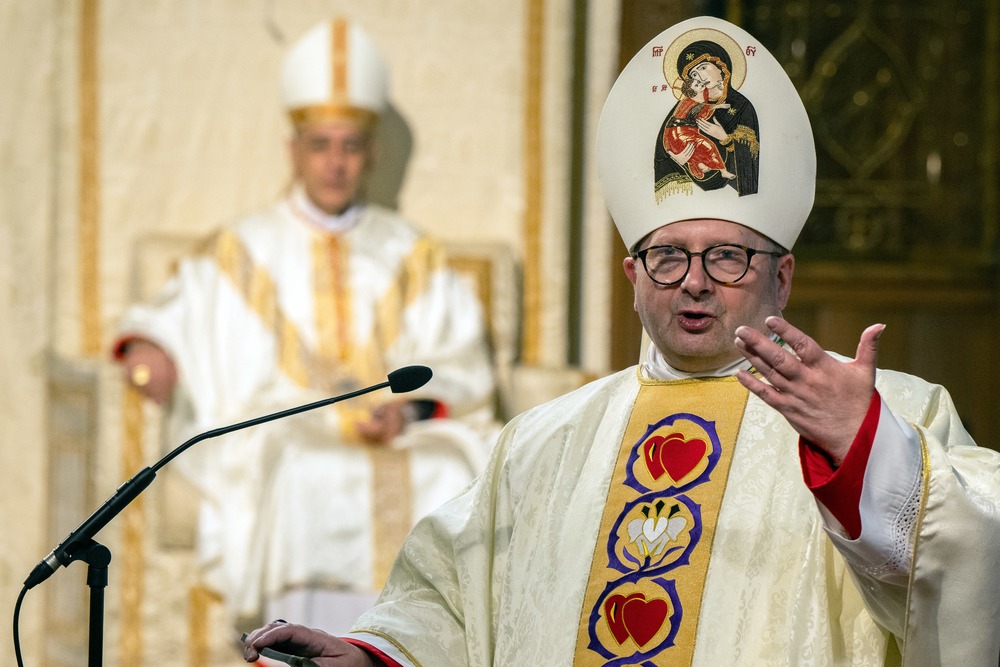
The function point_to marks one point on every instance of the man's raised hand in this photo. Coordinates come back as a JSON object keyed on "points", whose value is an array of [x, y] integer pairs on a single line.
{"points": [[824, 399]]}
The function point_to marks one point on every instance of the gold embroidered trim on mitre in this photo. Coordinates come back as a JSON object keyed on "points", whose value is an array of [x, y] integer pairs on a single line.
{"points": [[673, 184], [318, 113]]}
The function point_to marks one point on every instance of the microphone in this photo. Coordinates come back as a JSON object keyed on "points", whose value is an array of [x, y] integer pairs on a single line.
{"points": [[399, 381], [409, 378]]}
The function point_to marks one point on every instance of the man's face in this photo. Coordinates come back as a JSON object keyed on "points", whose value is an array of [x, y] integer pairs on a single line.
{"points": [[331, 160], [694, 322]]}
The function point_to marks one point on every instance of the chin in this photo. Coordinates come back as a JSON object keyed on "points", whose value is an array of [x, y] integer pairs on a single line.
{"points": [[694, 359], [333, 208]]}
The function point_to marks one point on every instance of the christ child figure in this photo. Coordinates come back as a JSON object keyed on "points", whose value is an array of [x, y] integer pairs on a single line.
{"points": [[682, 131]]}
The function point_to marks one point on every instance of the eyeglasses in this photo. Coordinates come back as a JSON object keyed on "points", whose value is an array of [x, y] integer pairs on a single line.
{"points": [[725, 264]]}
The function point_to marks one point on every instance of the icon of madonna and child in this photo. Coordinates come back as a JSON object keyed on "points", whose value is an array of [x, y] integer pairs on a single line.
{"points": [[710, 137]]}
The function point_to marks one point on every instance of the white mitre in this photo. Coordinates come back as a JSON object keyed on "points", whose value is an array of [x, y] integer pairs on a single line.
{"points": [[760, 169], [334, 71]]}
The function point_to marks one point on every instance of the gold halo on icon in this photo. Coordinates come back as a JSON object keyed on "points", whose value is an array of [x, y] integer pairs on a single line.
{"points": [[670, 73]]}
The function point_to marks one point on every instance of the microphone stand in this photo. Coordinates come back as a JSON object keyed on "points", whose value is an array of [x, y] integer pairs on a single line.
{"points": [[80, 545], [97, 557]]}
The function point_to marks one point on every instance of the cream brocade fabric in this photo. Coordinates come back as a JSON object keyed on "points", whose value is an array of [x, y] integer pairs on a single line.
{"points": [[498, 576], [277, 313]]}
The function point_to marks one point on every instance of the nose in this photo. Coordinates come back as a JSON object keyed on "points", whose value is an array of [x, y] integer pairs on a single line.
{"points": [[334, 158], [697, 281]]}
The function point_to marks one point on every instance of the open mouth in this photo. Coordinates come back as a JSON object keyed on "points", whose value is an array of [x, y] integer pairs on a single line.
{"points": [[694, 321]]}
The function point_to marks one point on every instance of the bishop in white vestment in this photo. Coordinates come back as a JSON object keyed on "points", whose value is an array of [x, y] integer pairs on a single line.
{"points": [[321, 295], [741, 497]]}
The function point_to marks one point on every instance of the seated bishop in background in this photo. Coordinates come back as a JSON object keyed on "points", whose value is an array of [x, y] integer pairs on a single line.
{"points": [[319, 295]]}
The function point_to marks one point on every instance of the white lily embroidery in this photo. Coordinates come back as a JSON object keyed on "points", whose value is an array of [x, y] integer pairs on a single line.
{"points": [[652, 534]]}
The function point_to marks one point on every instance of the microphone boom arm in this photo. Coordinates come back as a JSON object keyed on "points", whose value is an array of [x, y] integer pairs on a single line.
{"points": [[223, 430], [401, 380]]}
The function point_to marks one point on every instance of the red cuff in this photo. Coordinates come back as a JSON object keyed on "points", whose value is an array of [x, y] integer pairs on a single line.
{"points": [[377, 655], [839, 489], [118, 348], [440, 410]]}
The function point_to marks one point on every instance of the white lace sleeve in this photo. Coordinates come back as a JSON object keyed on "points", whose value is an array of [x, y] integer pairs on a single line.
{"points": [[890, 503]]}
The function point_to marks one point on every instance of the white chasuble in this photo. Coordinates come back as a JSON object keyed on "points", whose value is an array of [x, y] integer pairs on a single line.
{"points": [[607, 531], [277, 312]]}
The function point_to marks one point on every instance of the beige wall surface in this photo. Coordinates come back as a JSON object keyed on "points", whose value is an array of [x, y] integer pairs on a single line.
{"points": [[27, 35], [178, 129]]}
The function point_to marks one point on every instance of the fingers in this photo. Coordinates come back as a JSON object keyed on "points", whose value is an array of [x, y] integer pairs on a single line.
{"points": [[772, 361], [274, 632], [750, 348], [385, 423], [811, 353], [149, 370], [755, 385], [867, 354], [371, 431], [807, 349]]}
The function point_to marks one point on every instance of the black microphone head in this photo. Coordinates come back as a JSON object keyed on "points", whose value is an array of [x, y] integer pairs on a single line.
{"points": [[409, 378]]}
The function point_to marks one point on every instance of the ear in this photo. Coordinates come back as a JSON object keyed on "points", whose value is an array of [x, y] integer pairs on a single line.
{"points": [[293, 153], [629, 265], [786, 267], [630, 272]]}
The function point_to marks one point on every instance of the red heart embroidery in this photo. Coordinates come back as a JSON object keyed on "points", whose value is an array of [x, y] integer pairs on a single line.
{"points": [[651, 452], [673, 455], [613, 612], [635, 617]]}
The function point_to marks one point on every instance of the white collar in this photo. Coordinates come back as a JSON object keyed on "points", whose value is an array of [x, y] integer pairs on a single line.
{"points": [[306, 210]]}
